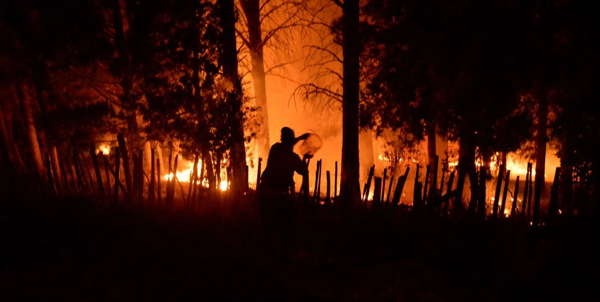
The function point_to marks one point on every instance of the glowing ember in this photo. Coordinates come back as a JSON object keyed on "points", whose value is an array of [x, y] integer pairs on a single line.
{"points": [[103, 148], [223, 186]]}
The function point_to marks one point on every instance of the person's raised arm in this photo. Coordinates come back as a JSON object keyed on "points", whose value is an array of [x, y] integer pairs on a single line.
{"points": [[302, 137]]}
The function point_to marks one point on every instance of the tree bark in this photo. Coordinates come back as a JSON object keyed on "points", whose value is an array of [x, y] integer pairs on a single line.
{"points": [[229, 61], [251, 9], [126, 81], [349, 190], [431, 153], [540, 162]]}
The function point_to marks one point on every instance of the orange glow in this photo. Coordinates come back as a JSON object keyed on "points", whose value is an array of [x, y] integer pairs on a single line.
{"points": [[103, 148]]}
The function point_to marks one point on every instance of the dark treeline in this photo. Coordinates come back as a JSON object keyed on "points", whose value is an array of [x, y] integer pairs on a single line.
{"points": [[497, 76]]}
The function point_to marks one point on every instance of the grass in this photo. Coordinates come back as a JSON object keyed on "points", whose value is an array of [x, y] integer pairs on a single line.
{"points": [[79, 249]]}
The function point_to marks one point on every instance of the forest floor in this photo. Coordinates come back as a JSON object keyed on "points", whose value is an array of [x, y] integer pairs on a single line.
{"points": [[75, 249]]}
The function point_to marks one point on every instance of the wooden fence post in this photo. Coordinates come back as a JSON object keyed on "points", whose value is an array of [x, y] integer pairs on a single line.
{"points": [[504, 195], [513, 211], [126, 163], [97, 169], [498, 189]]}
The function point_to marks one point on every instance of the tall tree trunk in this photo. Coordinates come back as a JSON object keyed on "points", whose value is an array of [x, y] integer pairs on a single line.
{"points": [[349, 190], [251, 9], [431, 154], [566, 173], [229, 61], [366, 156], [540, 162], [466, 166], [27, 112], [126, 81]]}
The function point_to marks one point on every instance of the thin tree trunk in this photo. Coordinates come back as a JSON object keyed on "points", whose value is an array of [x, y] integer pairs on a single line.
{"points": [[433, 160], [229, 61], [251, 9], [465, 167], [540, 161], [349, 190], [566, 174]]}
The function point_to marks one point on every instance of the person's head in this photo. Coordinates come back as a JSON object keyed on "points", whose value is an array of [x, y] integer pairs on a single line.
{"points": [[287, 136]]}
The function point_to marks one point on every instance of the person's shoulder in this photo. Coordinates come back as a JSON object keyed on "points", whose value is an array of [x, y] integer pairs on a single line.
{"points": [[276, 146]]}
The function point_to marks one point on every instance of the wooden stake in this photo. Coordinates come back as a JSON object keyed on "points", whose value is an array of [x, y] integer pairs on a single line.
{"points": [[158, 182], [335, 182], [400, 187], [390, 189], [192, 178], [65, 175], [152, 185], [513, 211], [417, 191], [525, 192], [382, 199], [367, 188], [106, 165], [49, 174], [316, 182], [118, 184], [497, 195], [449, 190], [328, 197], [117, 172], [97, 169], [126, 162], [553, 208], [377, 193], [426, 186], [504, 195], [318, 188], [259, 172]]}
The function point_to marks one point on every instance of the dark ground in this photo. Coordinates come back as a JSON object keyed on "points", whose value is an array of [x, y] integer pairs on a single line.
{"points": [[74, 249]]}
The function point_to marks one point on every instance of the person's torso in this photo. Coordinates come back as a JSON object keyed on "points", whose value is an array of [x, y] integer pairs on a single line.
{"points": [[279, 173]]}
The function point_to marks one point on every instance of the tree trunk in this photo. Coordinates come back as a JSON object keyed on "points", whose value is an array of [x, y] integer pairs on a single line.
{"points": [[229, 61], [566, 174], [466, 166], [349, 190], [251, 9], [431, 153], [126, 82], [540, 162]]}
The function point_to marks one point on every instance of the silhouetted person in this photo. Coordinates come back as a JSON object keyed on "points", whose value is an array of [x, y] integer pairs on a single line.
{"points": [[276, 205]]}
